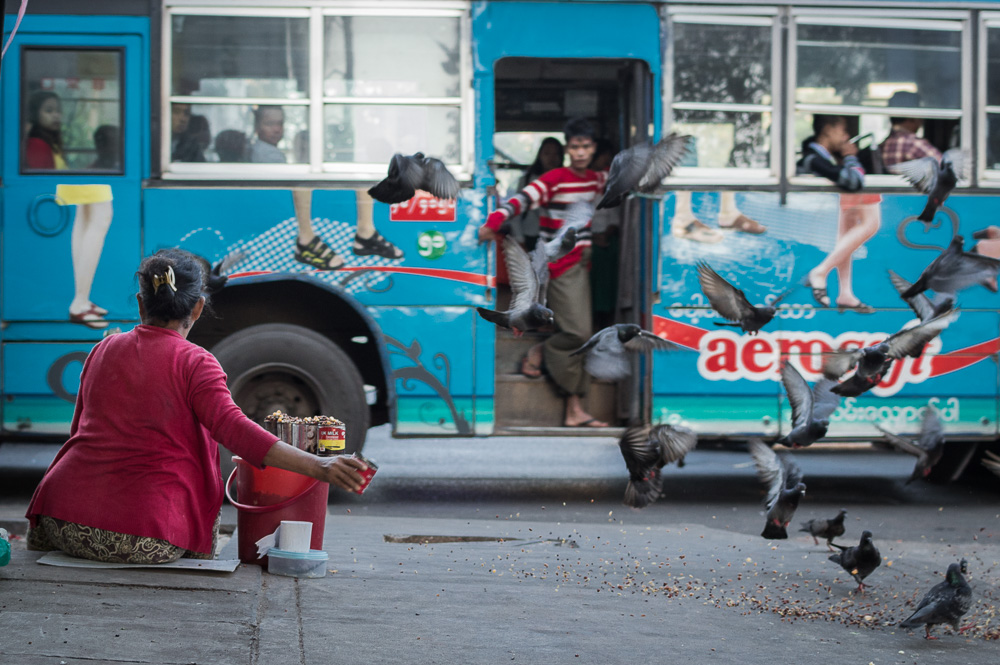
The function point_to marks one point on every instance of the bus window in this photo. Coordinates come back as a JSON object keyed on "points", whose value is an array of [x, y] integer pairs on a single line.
{"points": [[723, 91], [860, 73], [992, 101], [71, 110]]}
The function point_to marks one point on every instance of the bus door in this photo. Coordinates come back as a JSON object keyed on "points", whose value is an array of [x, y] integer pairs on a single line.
{"points": [[534, 99], [72, 163]]}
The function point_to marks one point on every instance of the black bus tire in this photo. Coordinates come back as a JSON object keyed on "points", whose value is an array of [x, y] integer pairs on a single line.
{"points": [[307, 370]]}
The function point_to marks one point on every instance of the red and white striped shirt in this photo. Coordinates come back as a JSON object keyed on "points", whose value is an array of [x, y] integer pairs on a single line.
{"points": [[552, 193]]}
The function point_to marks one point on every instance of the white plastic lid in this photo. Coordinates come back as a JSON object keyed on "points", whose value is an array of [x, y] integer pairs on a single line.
{"points": [[311, 555]]}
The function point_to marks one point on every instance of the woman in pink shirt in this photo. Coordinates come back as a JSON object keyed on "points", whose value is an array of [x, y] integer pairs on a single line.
{"points": [[139, 479]]}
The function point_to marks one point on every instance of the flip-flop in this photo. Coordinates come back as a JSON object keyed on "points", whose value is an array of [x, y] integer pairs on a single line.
{"points": [[698, 232], [587, 423], [90, 318], [860, 308], [746, 225]]}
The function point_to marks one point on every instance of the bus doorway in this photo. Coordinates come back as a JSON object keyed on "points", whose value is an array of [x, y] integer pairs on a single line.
{"points": [[534, 99]]}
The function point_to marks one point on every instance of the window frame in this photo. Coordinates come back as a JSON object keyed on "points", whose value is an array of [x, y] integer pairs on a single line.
{"points": [[987, 177], [22, 170], [952, 20], [726, 15], [316, 11]]}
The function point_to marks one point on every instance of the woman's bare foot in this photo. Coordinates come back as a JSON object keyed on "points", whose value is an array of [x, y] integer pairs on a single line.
{"points": [[531, 364], [577, 417]]}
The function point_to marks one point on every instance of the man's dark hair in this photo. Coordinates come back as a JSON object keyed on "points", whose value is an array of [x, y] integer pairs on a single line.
{"points": [[821, 122], [579, 127]]}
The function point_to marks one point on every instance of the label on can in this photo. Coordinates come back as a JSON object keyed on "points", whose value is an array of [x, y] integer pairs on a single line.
{"points": [[331, 439]]}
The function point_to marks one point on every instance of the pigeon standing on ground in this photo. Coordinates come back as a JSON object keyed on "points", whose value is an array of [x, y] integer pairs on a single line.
{"points": [[527, 311], [872, 362], [828, 529], [860, 560], [947, 602], [955, 269], [732, 303], [927, 448], [647, 449], [924, 307], [607, 351], [642, 167], [811, 409], [936, 179], [410, 173], [783, 478]]}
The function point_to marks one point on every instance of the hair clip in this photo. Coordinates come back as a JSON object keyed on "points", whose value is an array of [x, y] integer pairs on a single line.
{"points": [[167, 279]]}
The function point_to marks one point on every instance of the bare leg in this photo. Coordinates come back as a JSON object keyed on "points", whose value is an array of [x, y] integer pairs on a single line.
{"points": [[576, 415], [731, 217], [683, 213], [367, 240], [310, 249], [90, 227], [855, 226], [531, 364]]}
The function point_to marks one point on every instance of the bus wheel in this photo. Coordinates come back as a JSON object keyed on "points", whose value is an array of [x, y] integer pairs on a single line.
{"points": [[280, 366]]}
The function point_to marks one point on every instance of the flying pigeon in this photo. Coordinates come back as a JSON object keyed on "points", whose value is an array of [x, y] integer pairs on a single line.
{"points": [[607, 351], [947, 602], [828, 529], [924, 307], [642, 167], [953, 270], [732, 303], [860, 560], [410, 173], [783, 478], [927, 448], [811, 409], [992, 462], [935, 179], [872, 362], [647, 449], [215, 279], [527, 311]]}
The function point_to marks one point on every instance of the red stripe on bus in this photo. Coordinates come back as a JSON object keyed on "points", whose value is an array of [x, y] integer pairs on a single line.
{"points": [[962, 358], [677, 332]]}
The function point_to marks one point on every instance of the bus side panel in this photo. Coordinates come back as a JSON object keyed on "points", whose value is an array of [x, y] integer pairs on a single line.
{"points": [[432, 356], [41, 381], [954, 374], [443, 263]]}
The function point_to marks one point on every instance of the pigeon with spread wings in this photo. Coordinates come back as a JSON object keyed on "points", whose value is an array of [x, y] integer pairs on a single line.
{"points": [[642, 167], [927, 448], [527, 309], [607, 352], [785, 488], [408, 173], [924, 307], [955, 269], [811, 408], [934, 178], [732, 303], [646, 450]]}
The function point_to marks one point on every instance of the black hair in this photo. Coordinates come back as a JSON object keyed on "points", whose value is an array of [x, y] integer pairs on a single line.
{"points": [[231, 145], [821, 122], [162, 303], [258, 112], [579, 127], [52, 138], [537, 168], [107, 145]]}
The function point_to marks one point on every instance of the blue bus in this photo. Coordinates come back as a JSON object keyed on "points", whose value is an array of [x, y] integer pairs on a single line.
{"points": [[248, 132]]}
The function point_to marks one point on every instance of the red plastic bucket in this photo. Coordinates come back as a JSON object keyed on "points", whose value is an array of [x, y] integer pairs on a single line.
{"points": [[268, 496]]}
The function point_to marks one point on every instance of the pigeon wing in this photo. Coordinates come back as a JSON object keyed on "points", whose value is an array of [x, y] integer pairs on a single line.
{"points": [[627, 169], [675, 442], [931, 430], [921, 173], [592, 342], [647, 341], [839, 363], [911, 341], [902, 444], [608, 361], [410, 168], [665, 156], [725, 298], [540, 266], [992, 462], [769, 469], [825, 402], [791, 472], [523, 281], [638, 449], [919, 303], [438, 180], [799, 395], [578, 214], [961, 162]]}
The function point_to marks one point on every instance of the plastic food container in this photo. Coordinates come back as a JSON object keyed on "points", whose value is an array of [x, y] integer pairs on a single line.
{"points": [[297, 564]]}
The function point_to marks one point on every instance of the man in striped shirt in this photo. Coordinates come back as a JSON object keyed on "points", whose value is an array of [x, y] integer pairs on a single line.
{"points": [[569, 285]]}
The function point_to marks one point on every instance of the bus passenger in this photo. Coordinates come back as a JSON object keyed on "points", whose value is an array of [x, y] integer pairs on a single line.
{"points": [[860, 216], [107, 144], [269, 126], [231, 145], [183, 147], [549, 156], [903, 144], [93, 205], [139, 480], [569, 286]]}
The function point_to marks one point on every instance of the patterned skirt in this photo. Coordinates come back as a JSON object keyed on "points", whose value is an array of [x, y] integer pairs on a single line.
{"points": [[88, 542]]}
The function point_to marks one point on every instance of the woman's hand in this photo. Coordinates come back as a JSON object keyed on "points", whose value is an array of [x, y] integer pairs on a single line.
{"points": [[342, 471]]}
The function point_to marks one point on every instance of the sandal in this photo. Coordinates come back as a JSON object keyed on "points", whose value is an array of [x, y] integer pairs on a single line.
{"points": [[860, 308], [90, 318], [746, 225], [376, 245], [819, 295], [698, 232], [317, 254]]}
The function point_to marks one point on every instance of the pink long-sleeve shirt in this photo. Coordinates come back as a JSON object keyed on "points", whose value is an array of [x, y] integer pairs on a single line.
{"points": [[142, 457]]}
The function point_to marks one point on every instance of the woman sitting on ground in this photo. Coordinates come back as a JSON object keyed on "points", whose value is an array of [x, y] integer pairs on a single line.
{"points": [[139, 479]]}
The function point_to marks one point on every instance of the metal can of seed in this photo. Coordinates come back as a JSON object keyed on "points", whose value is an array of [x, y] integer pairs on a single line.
{"points": [[331, 439]]}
